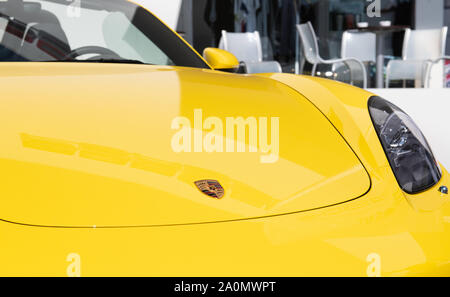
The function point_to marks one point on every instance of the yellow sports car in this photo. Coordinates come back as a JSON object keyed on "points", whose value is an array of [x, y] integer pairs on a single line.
{"points": [[126, 153]]}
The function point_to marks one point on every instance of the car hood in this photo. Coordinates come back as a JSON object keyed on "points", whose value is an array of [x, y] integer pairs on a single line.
{"points": [[93, 145]]}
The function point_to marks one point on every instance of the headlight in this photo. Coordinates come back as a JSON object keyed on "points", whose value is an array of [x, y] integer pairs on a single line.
{"points": [[406, 148]]}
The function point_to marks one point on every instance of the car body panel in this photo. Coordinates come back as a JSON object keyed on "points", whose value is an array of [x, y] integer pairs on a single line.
{"points": [[80, 125], [338, 240], [346, 108], [385, 224], [113, 134]]}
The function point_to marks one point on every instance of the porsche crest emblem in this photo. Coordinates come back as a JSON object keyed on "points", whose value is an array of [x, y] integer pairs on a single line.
{"points": [[211, 188]]}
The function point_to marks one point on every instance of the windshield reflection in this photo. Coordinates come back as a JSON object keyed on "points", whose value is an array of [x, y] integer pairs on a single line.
{"points": [[106, 31]]}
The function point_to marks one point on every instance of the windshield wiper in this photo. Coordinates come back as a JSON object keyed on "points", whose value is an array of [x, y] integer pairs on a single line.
{"points": [[118, 61], [121, 61]]}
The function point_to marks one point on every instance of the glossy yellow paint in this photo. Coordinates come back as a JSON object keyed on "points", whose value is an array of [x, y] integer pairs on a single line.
{"points": [[86, 149], [88, 173], [114, 137], [220, 59]]}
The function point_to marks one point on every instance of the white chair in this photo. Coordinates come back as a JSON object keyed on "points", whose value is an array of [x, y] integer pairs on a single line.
{"points": [[359, 45], [311, 52], [248, 49], [430, 66], [420, 47]]}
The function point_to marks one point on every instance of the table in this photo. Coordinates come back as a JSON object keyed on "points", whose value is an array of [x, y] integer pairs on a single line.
{"points": [[380, 32]]}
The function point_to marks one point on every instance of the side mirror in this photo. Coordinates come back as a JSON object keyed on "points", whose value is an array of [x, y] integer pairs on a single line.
{"points": [[220, 59]]}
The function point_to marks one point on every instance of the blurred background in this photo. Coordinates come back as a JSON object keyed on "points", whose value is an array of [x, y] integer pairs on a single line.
{"points": [[202, 22]]}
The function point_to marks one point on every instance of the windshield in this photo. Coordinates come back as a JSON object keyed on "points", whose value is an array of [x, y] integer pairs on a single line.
{"points": [[88, 31]]}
